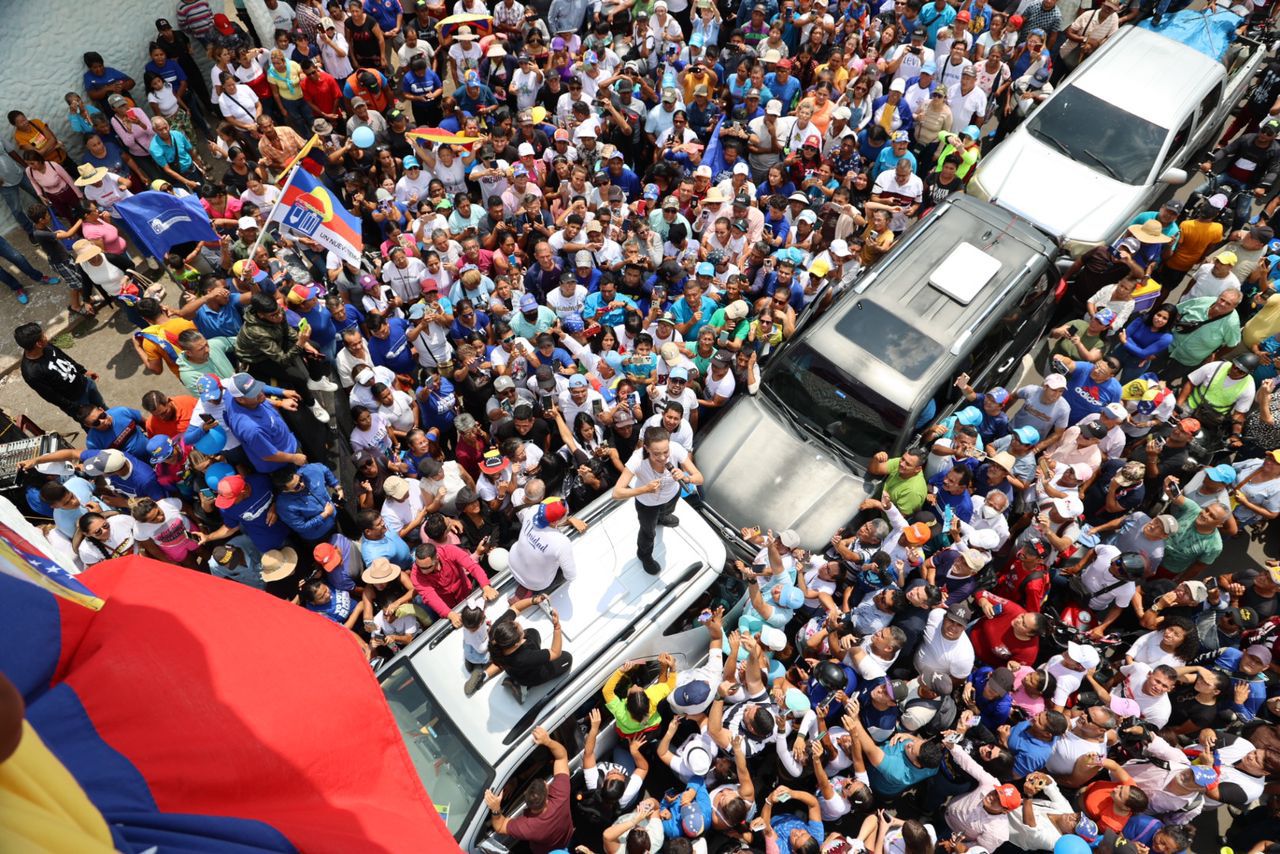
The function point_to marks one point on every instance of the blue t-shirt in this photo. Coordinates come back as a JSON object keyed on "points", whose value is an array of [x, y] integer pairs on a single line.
{"points": [[879, 724], [1029, 753], [683, 313], [961, 505], [440, 407], [784, 92], [221, 323], [140, 482], [390, 546], [108, 75], [170, 71], [262, 432], [1085, 396], [414, 84], [784, 824], [896, 773], [611, 316], [127, 433], [250, 514], [385, 12], [393, 352], [65, 520]]}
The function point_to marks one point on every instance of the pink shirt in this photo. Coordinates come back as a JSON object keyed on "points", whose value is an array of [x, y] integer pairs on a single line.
{"points": [[966, 814], [135, 135], [112, 242]]}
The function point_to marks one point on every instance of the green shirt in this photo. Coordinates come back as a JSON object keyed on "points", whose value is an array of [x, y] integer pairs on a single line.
{"points": [[740, 330], [1189, 545], [221, 352], [1191, 349], [1068, 348], [908, 494]]}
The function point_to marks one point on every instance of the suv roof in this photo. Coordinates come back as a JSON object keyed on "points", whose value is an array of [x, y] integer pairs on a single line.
{"points": [[905, 322], [601, 607]]}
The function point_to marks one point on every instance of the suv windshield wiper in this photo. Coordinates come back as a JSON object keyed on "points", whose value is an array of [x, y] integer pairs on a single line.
{"points": [[1053, 141], [1106, 167]]}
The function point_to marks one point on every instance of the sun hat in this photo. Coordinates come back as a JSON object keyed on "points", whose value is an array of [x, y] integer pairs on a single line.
{"points": [[1150, 231], [380, 571], [278, 563]]}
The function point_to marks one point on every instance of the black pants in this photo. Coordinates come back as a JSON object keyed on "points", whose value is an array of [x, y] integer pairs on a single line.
{"points": [[547, 672], [649, 514], [293, 374]]}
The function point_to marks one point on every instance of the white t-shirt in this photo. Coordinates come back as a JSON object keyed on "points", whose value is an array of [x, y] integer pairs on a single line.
{"points": [[638, 464], [936, 654], [538, 553], [911, 62], [566, 306], [1205, 284], [406, 283], [1155, 710], [1067, 749], [241, 107], [965, 107], [400, 413], [723, 387], [397, 514], [683, 436], [120, 541]]}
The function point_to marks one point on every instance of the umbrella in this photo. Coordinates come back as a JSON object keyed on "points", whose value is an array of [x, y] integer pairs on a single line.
{"points": [[481, 25], [441, 137]]}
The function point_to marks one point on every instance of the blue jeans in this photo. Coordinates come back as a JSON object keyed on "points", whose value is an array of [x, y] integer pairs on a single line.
{"points": [[1244, 201], [11, 253], [12, 195]]}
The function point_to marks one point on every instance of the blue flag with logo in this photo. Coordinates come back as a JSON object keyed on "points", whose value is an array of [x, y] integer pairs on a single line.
{"points": [[161, 221]]}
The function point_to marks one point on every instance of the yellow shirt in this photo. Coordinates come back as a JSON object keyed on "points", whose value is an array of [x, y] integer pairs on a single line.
{"points": [[1196, 238]]}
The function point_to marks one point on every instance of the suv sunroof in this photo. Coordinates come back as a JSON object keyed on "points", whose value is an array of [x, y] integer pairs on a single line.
{"points": [[890, 339]]}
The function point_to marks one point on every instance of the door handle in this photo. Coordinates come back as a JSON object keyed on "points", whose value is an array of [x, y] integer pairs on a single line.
{"points": [[1007, 364]]}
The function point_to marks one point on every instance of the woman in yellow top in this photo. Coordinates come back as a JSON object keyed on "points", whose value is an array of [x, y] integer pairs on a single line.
{"points": [[637, 712], [835, 65], [285, 77], [35, 135]]}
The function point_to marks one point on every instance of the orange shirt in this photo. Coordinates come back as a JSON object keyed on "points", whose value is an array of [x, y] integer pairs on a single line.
{"points": [[183, 405], [1196, 238], [1099, 806]]}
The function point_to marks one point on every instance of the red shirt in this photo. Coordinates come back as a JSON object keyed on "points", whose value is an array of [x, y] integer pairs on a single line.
{"points": [[323, 93], [553, 827], [994, 642], [448, 585], [183, 404], [468, 455], [1029, 595]]}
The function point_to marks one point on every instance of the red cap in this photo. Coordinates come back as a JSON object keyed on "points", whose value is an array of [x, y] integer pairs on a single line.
{"points": [[1189, 425], [784, 63], [223, 24], [1016, 22], [229, 490], [1010, 797], [328, 556], [429, 286], [962, 15]]}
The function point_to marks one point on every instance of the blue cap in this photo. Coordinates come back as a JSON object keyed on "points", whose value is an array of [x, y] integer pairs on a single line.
{"points": [[970, 416], [209, 387], [791, 597], [1087, 829], [651, 192], [998, 394], [972, 132], [697, 40], [706, 269], [679, 372], [614, 360], [1027, 435], [1105, 316], [159, 449], [519, 171], [928, 68], [261, 277], [244, 385], [1204, 775], [217, 472], [1273, 247], [411, 162], [578, 381], [1221, 473], [573, 323], [528, 302], [900, 136], [417, 311], [692, 822]]}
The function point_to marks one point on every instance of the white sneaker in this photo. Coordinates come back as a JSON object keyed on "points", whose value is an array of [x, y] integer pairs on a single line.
{"points": [[322, 384], [319, 412]]}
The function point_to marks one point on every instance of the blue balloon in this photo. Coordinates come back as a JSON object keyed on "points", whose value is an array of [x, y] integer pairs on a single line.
{"points": [[217, 472], [212, 442], [363, 137], [1071, 844]]}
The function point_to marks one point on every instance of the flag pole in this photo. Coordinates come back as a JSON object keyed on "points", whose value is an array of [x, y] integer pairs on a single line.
{"points": [[262, 232]]}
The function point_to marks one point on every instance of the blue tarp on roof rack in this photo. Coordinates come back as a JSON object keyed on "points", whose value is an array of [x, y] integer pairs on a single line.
{"points": [[1208, 31]]}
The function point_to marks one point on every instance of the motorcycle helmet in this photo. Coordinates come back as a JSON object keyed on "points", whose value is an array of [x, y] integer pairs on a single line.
{"points": [[1133, 565], [830, 675], [1246, 362]]}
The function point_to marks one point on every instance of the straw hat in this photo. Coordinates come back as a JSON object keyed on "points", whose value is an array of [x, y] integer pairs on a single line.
{"points": [[464, 34], [90, 174], [85, 249], [380, 572], [1150, 231], [278, 563]]}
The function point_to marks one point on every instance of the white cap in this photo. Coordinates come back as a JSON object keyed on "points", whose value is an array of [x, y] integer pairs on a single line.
{"points": [[841, 113], [839, 247], [1069, 506], [532, 456], [741, 168], [898, 86], [1055, 381], [499, 559], [789, 538], [773, 638], [985, 539], [525, 150], [1115, 411], [247, 222], [1083, 655], [703, 171], [774, 107]]}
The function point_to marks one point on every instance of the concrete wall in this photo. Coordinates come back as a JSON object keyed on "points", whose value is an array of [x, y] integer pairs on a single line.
{"points": [[43, 43]]}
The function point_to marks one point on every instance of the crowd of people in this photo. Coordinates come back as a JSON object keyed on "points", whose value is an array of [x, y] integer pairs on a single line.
{"points": [[1027, 639]]}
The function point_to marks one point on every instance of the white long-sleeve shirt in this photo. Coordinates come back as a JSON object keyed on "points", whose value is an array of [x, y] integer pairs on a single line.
{"points": [[1044, 835], [967, 816]]}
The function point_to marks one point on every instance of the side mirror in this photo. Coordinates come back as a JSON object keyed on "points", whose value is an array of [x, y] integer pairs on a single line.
{"points": [[1174, 176]]}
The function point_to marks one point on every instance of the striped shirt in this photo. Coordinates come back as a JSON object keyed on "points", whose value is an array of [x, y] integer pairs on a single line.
{"points": [[195, 18]]}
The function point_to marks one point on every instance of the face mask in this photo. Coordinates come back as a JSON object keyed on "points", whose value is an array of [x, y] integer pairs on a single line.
{"points": [[988, 512]]}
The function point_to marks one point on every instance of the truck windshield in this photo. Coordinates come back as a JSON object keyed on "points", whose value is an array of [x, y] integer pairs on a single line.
{"points": [[833, 404], [452, 772], [1098, 134]]}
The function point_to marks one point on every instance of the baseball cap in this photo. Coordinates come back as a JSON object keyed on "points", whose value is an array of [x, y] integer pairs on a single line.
{"points": [[327, 555], [550, 511], [1245, 618], [573, 323], [1001, 680], [1204, 775], [159, 449], [1009, 796], [1027, 435], [244, 385], [1083, 655], [791, 597], [528, 302], [679, 372], [578, 381], [1228, 258], [1199, 592], [1221, 473], [396, 488], [504, 383], [1260, 652], [1168, 522], [230, 488], [773, 638], [998, 394], [209, 387], [1057, 381], [108, 461], [691, 698], [1190, 425], [960, 613], [917, 534]]}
